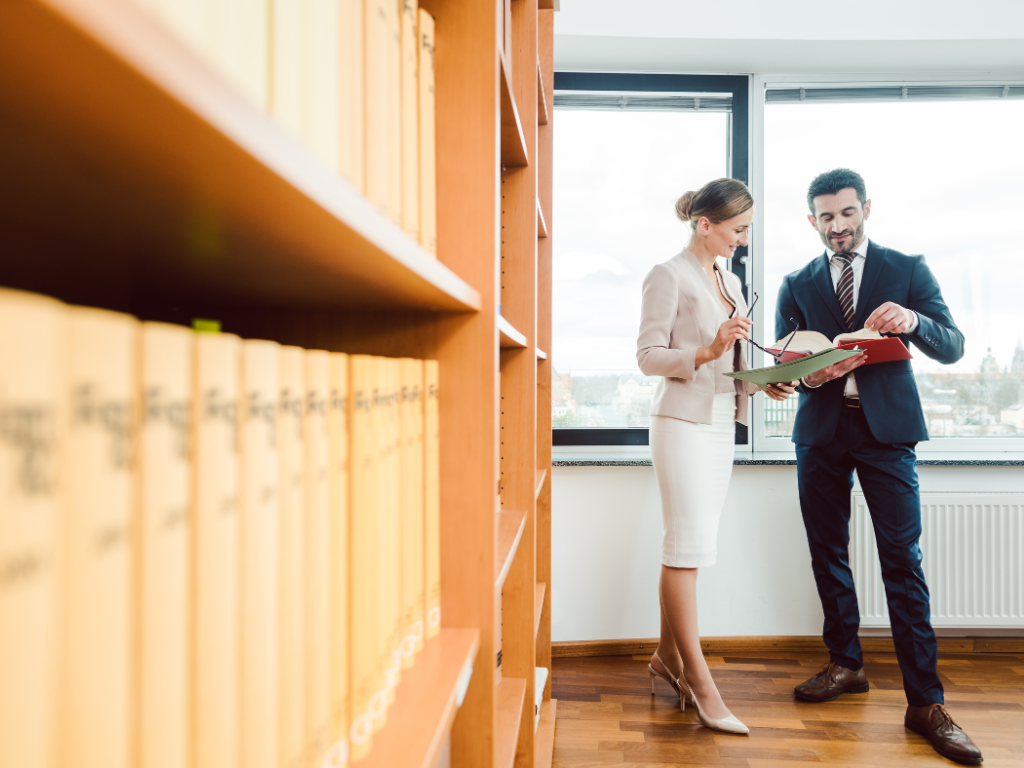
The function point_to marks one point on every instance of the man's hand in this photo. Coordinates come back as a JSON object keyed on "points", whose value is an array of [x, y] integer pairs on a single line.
{"points": [[890, 318], [835, 371], [780, 391]]}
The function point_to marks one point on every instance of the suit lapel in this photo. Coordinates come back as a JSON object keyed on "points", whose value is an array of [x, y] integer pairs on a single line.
{"points": [[823, 280], [874, 259]]}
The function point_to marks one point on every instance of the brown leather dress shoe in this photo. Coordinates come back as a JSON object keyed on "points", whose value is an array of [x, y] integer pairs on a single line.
{"points": [[832, 681], [934, 723]]}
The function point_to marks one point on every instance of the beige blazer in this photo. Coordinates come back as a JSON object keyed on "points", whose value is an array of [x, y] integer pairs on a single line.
{"points": [[678, 315]]}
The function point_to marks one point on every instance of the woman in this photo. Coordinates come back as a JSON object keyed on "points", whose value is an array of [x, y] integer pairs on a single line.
{"points": [[692, 326]]}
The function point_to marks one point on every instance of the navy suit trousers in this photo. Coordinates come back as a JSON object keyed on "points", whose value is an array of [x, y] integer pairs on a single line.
{"points": [[888, 478]]}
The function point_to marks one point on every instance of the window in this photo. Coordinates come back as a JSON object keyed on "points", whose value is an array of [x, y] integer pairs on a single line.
{"points": [[627, 146], [942, 167]]}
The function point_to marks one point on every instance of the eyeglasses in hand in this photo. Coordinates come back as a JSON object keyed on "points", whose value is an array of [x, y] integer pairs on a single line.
{"points": [[776, 355]]}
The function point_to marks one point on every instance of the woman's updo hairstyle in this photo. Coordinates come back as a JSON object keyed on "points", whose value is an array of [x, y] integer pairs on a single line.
{"points": [[717, 200]]}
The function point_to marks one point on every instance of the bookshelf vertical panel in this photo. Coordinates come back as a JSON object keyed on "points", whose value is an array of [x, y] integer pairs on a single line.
{"points": [[544, 153], [519, 374], [467, 109]]}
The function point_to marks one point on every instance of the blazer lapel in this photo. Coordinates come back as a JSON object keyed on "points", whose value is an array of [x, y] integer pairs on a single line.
{"points": [[873, 262], [704, 293], [823, 280]]}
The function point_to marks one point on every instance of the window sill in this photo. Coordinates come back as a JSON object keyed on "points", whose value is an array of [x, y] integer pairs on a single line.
{"points": [[606, 458]]}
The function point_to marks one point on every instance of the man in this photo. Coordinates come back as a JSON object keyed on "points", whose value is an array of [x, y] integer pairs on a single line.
{"points": [[868, 419]]}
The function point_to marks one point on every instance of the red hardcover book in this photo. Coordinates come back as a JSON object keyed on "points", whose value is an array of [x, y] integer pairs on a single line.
{"points": [[877, 349]]}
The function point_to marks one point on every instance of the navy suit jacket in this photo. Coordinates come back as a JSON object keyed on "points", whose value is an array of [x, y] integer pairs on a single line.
{"points": [[887, 391]]}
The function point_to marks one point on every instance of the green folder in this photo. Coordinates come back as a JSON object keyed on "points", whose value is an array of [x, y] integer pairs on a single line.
{"points": [[794, 369]]}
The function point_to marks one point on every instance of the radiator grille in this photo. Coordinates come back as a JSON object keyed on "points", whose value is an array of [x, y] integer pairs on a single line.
{"points": [[973, 547]]}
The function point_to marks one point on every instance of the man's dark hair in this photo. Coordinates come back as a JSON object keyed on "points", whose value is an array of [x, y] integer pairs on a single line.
{"points": [[830, 182]]}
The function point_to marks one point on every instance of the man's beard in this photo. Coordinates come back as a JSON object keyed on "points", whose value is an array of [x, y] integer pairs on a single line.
{"points": [[847, 246]]}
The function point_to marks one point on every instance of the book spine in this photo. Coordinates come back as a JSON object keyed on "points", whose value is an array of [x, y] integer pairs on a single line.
{"points": [[427, 129], [239, 45], [287, 52], [412, 511], [260, 563], [394, 97], [291, 546], [160, 531], [98, 498], [432, 500], [351, 101], [317, 557], [410, 119], [338, 480], [367, 694], [320, 76], [33, 409], [215, 589], [189, 20], [389, 479], [377, 113]]}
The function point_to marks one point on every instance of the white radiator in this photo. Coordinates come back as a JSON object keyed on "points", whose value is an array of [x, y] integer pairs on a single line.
{"points": [[973, 547]]}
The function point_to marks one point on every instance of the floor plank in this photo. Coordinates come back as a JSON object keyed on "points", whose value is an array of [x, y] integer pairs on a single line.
{"points": [[607, 717]]}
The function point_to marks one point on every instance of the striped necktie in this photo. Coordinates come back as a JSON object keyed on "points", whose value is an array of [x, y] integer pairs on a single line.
{"points": [[844, 288]]}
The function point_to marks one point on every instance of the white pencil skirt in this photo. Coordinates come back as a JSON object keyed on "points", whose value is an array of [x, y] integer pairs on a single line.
{"points": [[693, 464]]}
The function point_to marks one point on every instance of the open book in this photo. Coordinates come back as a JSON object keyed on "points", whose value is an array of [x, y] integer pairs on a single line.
{"points": [[877, 348], [798, 367]]}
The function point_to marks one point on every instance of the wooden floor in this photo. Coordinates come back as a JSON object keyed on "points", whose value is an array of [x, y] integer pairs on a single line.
{"points": [[607, 716]]}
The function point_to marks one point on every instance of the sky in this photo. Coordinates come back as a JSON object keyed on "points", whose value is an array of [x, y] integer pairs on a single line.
{"points": [[944, 180], [614, 202]]}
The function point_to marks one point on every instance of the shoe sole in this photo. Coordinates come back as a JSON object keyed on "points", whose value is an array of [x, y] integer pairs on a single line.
{"points": [[955, 758], [854, 689]]}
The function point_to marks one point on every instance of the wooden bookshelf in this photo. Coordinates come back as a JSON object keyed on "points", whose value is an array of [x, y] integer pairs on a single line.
{"points": [[137, 179], [425, 703], [509, 337], [538, 605], [544, 152], [156, 160], [525, 399], [511, 700], [513, 142], [510, 532], [545, 735], [542, 102]]}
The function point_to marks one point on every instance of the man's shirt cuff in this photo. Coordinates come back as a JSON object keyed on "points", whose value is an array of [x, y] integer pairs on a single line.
{"points": [[916, 321]]}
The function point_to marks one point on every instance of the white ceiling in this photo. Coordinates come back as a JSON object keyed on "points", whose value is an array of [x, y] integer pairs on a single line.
{"points": [[791, 36]]}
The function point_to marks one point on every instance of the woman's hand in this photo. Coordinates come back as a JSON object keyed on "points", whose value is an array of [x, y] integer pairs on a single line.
{"points": [[732, 330], [780, 391]]}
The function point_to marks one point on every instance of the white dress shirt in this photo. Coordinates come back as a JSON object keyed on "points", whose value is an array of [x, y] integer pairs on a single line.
{"points": [[836, 266]]}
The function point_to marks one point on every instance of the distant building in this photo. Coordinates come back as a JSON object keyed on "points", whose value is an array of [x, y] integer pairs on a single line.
{"points": [[562, 402], [635, 392], [989, 365], [1013, 416], [1017, 364]]}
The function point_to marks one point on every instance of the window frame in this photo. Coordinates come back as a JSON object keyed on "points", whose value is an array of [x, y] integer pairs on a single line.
{"points": [[759, 86], [738, 166]]}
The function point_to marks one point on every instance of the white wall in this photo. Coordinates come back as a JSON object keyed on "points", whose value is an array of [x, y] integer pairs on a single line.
{"points": [[791, 36], [794, 19], [606, 550]]}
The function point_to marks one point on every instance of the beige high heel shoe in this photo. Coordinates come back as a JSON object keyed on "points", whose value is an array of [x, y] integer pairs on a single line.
{"points": [[668, 679], [730, 724]]}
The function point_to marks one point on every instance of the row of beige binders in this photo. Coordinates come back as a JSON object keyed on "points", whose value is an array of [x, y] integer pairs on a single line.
{"points": [[214, 552], [353, 80]]}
